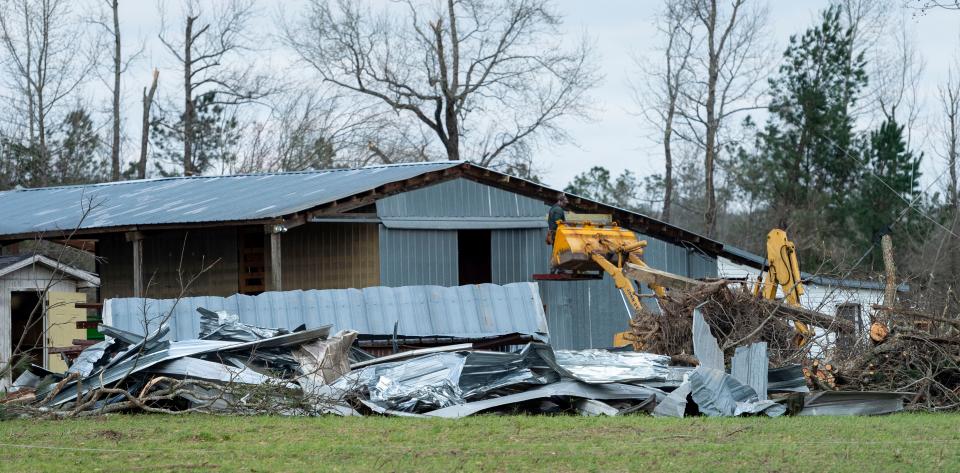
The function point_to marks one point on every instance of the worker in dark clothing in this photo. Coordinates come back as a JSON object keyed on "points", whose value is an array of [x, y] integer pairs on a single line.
{"points": [[556, 213]]}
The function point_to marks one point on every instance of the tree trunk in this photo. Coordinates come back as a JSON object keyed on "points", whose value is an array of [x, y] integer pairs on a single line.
{"points": [[115, 148], [952, 151], [145, 133], [713, 73], [668, 164], [188, 111], [890, 290], [43, 167]]}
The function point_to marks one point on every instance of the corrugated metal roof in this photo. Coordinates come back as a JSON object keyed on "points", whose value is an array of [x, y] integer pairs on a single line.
{"points": [[192, 199], [475, 311]]}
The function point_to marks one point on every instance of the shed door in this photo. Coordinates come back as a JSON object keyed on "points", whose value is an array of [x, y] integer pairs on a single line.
{"points": [[62, 318]]}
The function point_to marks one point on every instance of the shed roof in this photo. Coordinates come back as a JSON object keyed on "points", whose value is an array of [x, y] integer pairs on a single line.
{"points": [[12, 263], [273, 198], [466, 312]]}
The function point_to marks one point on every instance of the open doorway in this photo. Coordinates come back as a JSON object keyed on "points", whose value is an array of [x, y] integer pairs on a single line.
{"points": [[26, 324], [473, 261]]}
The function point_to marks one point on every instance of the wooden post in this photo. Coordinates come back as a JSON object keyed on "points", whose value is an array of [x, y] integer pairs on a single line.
{"points": [[879, 329], [890, 293], [276, 275], [137, 239]]}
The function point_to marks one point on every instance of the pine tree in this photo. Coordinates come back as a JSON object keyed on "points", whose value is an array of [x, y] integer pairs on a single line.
{"points": [[805, 157], [215, 133], [891, 174]]}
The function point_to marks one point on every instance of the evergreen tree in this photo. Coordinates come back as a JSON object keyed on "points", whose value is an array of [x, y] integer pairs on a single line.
{"points": [[215, 138], [77, 158], [805, 157], [890, 172]]}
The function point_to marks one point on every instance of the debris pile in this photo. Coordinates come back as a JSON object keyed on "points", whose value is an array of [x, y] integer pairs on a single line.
{"points": [[238, 368], [231, 367]]}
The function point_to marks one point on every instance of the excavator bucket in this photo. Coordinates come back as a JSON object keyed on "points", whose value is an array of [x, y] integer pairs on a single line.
{"points": [[576, 241]]}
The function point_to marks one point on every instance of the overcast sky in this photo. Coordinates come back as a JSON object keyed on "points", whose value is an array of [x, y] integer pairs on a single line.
{"points": [[615, 138]]}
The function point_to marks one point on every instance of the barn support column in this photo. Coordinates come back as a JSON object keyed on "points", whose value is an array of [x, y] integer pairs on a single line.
{"points": [[276, 255], [137, 239]]}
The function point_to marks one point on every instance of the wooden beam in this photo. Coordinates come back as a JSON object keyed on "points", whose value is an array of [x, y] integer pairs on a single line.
{"points": [[660, 278], [138, 268], [276, 275]]}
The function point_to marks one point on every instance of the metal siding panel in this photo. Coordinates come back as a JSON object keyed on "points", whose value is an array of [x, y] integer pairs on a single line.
{"points": [[418, 257], [518, 254], [466, 311], [460, 198]]}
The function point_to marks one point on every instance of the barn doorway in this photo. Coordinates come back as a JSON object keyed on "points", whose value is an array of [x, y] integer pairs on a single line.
{"points": [[26, 329], [473, 261]]}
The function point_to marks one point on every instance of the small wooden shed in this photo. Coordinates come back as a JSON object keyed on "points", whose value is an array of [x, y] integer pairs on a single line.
{"points": [[38, 312]]}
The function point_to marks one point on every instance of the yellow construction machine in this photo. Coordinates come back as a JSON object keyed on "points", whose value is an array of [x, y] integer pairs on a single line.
{"points": [[783, 272], [587, 245]]}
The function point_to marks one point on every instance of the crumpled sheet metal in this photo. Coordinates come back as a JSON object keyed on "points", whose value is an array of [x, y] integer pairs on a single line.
{"points": [[852, 403], [787, 379], [86, 361], [224, 326], [750, 366], [212, 371], [112, 374], [675, 403], [565, 387], [485, 371], [444, 379], [717, 394], [705, 345], [603, 366]]}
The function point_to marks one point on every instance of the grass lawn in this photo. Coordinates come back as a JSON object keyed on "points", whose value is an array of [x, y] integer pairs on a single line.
{"points": [[904, 442]]}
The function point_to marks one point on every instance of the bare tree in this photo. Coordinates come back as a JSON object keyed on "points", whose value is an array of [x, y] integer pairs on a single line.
{"points": [[488, 79], [949, 95], [45, 63], [145, 125], [659, 96], [729, 67], [926, 5], [210, 42], [109, 21]]}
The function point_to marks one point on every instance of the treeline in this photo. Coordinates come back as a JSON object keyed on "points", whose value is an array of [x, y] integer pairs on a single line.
{"points": [[825, 147], [245, 86]]}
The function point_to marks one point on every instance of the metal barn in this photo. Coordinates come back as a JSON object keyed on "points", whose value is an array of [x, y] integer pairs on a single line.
{"points": [[443, 223]]}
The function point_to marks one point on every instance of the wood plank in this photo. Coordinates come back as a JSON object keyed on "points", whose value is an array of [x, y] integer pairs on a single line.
{"points": [[138, 268], [660, 278], [276, 275]]}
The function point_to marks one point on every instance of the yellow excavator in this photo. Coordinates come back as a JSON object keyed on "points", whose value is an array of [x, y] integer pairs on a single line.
{"points": [[783, 271], [587, 245]]}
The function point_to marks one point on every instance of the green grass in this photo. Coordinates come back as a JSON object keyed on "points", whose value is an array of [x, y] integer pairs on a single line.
{"points": [[905, 442]]}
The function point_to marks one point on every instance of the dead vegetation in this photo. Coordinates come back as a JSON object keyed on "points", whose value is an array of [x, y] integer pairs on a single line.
{"points": [[920, 354]]}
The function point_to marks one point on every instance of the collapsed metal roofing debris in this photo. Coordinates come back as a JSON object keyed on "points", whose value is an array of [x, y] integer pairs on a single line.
{"points": [[464, 312], [231, 366]]}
